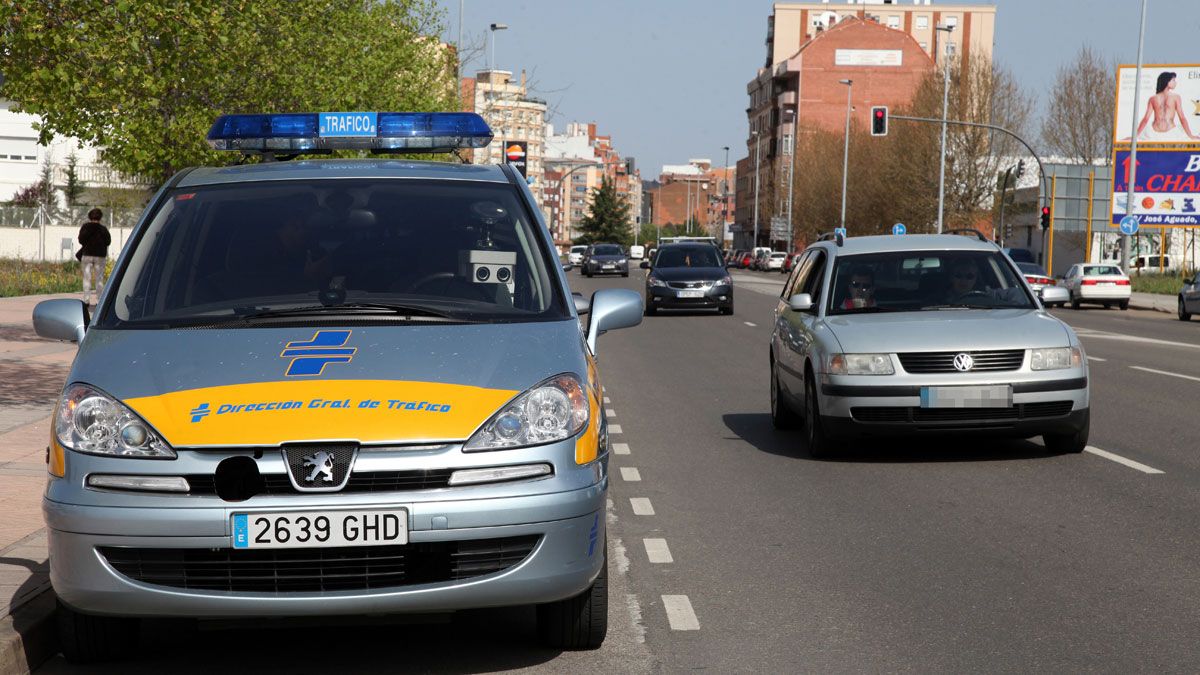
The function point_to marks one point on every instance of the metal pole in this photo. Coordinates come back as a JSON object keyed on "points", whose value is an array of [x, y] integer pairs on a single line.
{"points": [[945, 110], [791, 179], [1050, 235], [846, 151], [687, 209], [724, 194], [757, 162], [1087, 253], [491, 49], [1137, 92], [459, 47], [1003, 198]]}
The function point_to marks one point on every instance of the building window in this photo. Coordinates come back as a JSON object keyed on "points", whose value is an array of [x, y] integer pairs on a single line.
{"points": [[893, 21], [952, 21], [925, 46], [922, 23]]}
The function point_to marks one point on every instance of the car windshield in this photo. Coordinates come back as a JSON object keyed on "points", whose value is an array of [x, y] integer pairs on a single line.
{"points": [[444, 250], [1031, 268], [910, 281], [688, 256], [1096, 270], [606, 250], [578, 249]]}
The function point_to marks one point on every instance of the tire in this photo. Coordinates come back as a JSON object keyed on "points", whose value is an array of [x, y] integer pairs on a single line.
{"points": [[650, 309], [782, 414], [624, 274], [1183, 316], [86, 638], [577, 623], [1069, 444], [1108, 305], [727, 311], [819, 445], [1124, 305]]}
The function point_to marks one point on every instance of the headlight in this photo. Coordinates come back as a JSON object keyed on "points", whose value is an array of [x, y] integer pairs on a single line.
{"points": [[622, 261], [552, 411], [861, 364], [655, 281], [1055, 359], [725, 281], [92, 422]]}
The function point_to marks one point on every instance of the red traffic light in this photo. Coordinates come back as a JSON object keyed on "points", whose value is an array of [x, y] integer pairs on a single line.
{"points": [[1045, 217], [879, 120], [1045, 210], [878, 114]]}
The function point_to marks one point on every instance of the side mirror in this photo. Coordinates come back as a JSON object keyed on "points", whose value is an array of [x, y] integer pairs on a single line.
{"points": [[62, 319], [645, 265], [801, 302], [611, 309], [1054, 295], [582, 306], [567, 267]]}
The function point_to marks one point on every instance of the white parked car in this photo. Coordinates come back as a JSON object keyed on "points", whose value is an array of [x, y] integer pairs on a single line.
{"points": [[775, 260], [575, 256], [637, 252], [1100, 284]]}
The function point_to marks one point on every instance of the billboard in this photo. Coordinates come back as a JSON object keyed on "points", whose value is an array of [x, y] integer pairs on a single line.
{"points": [[514, 153], [1168, 110], [1167, 192]]}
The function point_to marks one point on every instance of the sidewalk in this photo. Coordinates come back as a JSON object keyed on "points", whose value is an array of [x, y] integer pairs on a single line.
{"points": [[32, 372], [1154, 301]]}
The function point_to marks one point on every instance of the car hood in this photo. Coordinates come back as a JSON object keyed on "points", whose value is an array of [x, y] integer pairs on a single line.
{"points": [[690, 273], [266, 386], [948, 330]]}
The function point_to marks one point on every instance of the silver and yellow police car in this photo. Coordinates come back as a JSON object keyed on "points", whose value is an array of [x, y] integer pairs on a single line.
{"points": [[330, 387]]}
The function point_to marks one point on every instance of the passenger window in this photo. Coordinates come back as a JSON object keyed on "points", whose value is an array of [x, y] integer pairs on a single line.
{"points": [[815, 281], [797, 272]]}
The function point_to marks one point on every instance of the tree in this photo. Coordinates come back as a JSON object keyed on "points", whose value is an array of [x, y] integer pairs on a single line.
{"points": [[145, 78], [1079, 123], [608, 220], [72, 187]]}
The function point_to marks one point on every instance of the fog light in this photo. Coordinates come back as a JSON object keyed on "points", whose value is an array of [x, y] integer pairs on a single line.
{"points": [[140, 483]]}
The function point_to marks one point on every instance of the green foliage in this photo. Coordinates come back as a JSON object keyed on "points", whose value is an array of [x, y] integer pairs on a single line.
{"points": [[608, 220], [1153, 282], [73, 189], [145, 78], [23, 277]]}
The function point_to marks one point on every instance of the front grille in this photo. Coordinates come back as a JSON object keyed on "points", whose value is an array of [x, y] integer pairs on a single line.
{"points": [[318, 569], [943, 362], [360, 481], [1021, 411], [689, 285]]}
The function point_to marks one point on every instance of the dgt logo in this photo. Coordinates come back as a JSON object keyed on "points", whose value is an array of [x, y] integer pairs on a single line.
{"points": [[309, 357], [200, 412]]}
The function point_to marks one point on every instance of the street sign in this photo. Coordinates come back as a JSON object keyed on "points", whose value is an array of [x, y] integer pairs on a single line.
{"points": [[840, 231], [1129, 225], [779, 228], [899, 228]]}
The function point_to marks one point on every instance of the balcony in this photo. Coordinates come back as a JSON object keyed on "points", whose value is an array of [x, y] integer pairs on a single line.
{"points": [[100, 175]]}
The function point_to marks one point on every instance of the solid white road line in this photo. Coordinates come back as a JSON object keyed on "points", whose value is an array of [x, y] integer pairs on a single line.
{"points": [[1096, 358], [1121, 460], [657, 551], [752, 325], [641, 506], [1105, 335], [614, 428], [621, 448], [631, 473], [1164, 372], [610, 412], [679, 612]]}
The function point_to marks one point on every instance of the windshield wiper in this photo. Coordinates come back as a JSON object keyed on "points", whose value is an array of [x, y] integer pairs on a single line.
{"points": [[962, 305], [417, 312]]}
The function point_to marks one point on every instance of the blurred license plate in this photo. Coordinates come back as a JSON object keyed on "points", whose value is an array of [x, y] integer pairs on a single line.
{"points": [[610, 267], [992, 396], [691, 294], [1107, 283], [320, 529]]}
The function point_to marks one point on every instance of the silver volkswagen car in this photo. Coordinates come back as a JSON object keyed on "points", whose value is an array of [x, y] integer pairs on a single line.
{"points": [[922, 335], [332, 387]]}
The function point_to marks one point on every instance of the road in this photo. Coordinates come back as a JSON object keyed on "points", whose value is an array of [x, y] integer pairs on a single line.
{"points": [[734, 551]]}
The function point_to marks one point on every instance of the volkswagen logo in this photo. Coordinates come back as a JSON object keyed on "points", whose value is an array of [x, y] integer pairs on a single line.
{"points": [[963, 362]]}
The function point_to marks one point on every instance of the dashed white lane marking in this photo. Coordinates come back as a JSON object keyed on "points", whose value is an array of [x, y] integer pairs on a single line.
{"points": [[641, 506], [614, 428], [631, 474], [607, 399], [680, 613], [621, 448], [1096, 358], [657, 551], [1164, 372], [752, 325], [610, 412], [1121, 460]]}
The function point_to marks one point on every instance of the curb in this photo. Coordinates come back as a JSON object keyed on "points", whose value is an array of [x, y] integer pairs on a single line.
{"points": [[28, 637], [1151, 308]]}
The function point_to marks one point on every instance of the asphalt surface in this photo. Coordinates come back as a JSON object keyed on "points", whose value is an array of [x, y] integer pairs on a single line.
{"points": [[734, 551]]}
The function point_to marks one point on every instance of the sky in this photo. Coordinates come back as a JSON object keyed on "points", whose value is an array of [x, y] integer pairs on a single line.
{"points": [[667, 78]]}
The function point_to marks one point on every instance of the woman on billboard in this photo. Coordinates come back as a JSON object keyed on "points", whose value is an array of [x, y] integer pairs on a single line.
{"points": [[1164, 106]]}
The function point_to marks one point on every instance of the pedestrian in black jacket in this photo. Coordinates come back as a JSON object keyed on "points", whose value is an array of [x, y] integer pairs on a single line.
{"points": [[94, 238]]}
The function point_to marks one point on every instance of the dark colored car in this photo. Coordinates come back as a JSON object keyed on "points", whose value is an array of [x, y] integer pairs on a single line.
{"points": [[1020, 255], [605, 259], [688, 276], [790, 262]]}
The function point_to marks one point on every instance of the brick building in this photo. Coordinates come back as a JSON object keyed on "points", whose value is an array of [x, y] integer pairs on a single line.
{"points": [[576, 162], [696, 191], [513, 115]]}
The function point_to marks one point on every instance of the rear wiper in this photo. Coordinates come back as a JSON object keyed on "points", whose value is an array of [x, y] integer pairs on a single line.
{"points": [[424, 313]]}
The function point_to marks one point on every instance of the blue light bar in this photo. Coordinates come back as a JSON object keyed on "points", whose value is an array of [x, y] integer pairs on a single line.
{"points": [[379, 132]]}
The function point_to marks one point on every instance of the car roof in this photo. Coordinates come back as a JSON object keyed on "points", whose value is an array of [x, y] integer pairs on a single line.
{"points": [[316, 169], [910, 242]]}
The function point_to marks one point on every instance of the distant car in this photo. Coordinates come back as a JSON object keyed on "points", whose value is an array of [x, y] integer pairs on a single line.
{"points": [[759, 261], [637, 252], [775, 260], [575, 256], [605, 259], [1189, 298], [688, 276], [1153, 262], [1037, 277], [744, 263], [790, 263], [1020, 255], [1099, 284]]}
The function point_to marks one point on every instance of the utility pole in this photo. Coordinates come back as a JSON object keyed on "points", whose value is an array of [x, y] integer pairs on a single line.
{"points": [[945, 109], [792, 176], [757, 163], [459, 48], [1003, 198], [1137, 91], [846, 152]]}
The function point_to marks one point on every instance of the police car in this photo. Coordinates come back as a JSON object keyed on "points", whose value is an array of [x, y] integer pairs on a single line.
{"points": [[327, 386]]}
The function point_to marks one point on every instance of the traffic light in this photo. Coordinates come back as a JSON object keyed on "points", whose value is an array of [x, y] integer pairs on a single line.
{"points": [[1045, 217], [1020, 168], [879, 120]]}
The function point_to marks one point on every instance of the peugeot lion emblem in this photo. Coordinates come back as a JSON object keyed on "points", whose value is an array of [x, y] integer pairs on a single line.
{"points": [[322, 466], [963, 362]]}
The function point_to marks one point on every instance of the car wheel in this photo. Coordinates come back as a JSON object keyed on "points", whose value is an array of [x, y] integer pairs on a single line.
{"points": [[1124, 305], [577, 623], [624, 274], [85, 638], [819, 445], [728, 309], [1072, 443], [650, 310], [1183, 316], [1108, 305], [782, 414]]}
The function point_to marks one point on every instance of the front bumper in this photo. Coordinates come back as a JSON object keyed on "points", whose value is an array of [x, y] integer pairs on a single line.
{"points": [[714, 297], [607, 268]]}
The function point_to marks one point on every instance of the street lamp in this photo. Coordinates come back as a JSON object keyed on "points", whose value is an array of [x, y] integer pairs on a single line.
{"points": [[757, 163], [725, 194], [492, 43], [945, 106], [846, 152], [791, 112]]}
